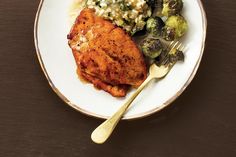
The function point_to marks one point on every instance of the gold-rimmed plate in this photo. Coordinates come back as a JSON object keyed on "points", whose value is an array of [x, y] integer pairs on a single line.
{"points": [[52, 25]]}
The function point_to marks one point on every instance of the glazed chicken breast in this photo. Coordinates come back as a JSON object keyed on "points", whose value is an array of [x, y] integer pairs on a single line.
{"points": [[105, 55]]}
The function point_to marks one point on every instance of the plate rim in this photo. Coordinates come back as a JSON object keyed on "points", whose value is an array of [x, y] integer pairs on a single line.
{"points": [[135, 116]]}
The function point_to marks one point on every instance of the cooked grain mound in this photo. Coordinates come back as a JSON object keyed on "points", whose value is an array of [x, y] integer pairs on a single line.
{"points": [[105, 55]]}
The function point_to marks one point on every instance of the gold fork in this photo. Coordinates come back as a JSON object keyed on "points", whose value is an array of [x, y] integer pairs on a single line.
{"points": [[103, 131]]}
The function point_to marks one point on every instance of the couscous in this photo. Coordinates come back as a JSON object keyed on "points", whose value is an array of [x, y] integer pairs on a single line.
{"points": [[128, 14]]}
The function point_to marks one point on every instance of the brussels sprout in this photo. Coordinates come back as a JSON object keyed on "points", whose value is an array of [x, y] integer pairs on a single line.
{"points": [[151, 47], [175, 56], [138, 27], [169, 58], [154, 26], [157, 6], [176, 26], [172, 7]]}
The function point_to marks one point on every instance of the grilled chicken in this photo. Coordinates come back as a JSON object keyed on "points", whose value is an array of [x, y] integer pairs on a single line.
{"points": [[105, 55]]}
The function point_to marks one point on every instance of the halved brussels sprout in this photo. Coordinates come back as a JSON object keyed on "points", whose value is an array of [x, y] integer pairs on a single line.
{"points": [[176, 26], [175, 56], [169, 58], [151, 47], [172, 7], [154, 26]]}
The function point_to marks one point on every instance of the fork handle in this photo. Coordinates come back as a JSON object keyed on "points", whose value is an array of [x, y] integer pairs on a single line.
{"points": [[103, 131]]}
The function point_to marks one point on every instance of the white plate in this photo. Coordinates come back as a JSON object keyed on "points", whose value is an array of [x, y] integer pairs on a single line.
{"points": [[56, 59]]}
